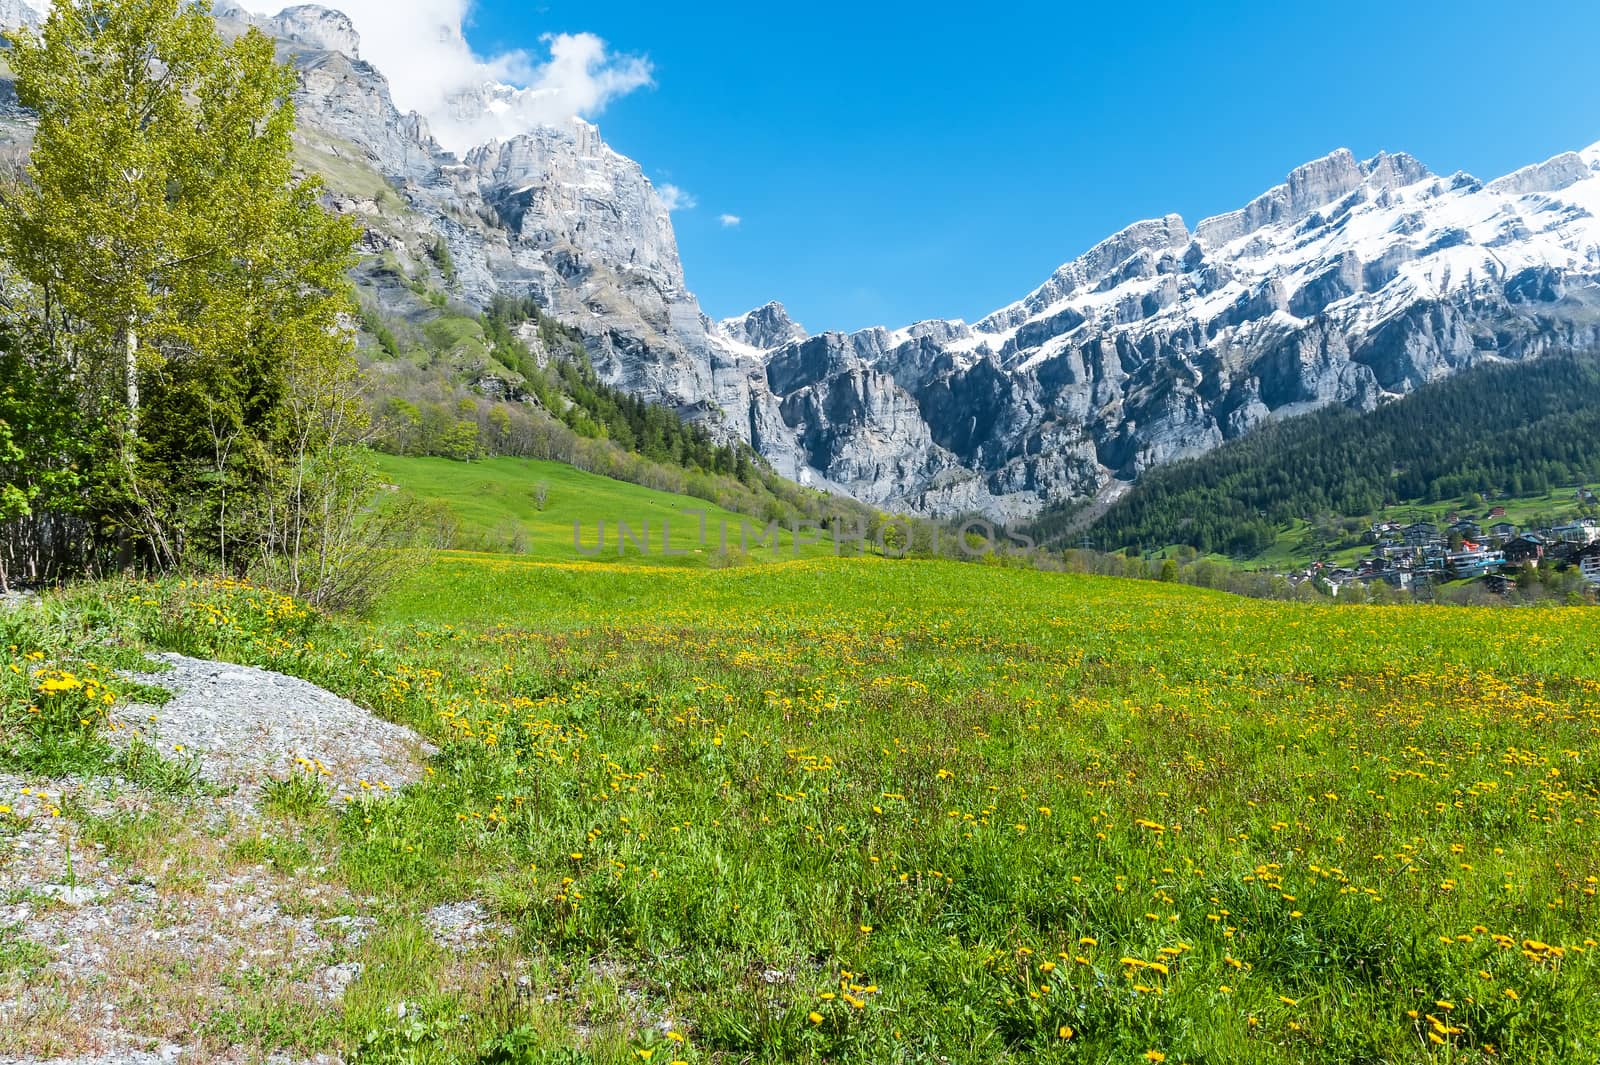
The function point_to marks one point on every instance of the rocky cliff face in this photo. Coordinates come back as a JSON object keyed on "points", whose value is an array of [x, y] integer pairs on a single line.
{"points": [[14, 13], [554, 213], [1352, 282], [763, 329]]}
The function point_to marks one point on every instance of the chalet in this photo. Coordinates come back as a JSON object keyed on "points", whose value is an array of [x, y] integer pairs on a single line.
{"points": [[1467, 529], [1529, 547], [1589, 563], [1497, 512], [1419, 533], [1500, 583], [1502, 530]]}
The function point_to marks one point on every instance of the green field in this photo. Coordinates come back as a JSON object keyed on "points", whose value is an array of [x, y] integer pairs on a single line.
{"points": [[876, 810], [495, 505]]}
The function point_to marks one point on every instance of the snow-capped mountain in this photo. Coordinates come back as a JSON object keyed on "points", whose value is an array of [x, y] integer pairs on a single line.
{"points": [[1351, 282], [768, 326]]}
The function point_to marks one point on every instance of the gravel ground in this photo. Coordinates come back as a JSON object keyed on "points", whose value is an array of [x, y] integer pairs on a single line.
{"points": [[246, 725], [13, 600], [137, 917], [462, 926]]}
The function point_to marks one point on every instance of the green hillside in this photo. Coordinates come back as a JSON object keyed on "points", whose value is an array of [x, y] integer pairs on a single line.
{"points": [[528, 508], [1520, 434]]}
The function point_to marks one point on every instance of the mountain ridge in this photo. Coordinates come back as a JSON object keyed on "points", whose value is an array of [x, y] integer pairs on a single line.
{"points": [[1352, 281], [1375, 308]]}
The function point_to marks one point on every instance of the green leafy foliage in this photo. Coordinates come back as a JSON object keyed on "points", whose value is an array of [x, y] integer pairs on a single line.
{"points": [[177, 288]]}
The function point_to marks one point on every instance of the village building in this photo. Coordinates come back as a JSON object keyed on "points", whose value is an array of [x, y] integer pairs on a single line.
{"points": [[1474, 563], [1420, 533], [1525, 549], [1500, 583], [1583, 532], [1589, 563]]}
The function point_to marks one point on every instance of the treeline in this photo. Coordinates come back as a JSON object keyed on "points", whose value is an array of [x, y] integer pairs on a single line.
{"points": [[176, 389], [1502, 430]]}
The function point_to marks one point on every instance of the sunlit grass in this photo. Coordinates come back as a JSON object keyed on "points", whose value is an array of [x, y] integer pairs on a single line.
{"points": [[876, 810]]}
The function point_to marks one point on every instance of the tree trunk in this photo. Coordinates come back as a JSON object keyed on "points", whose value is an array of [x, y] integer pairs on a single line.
{"points": [[130, 438], [131, 373]]}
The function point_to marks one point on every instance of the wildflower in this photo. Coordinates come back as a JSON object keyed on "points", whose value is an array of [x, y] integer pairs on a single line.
{"points": [[1065, 1031], [1154, 1055], [816, 1018]]}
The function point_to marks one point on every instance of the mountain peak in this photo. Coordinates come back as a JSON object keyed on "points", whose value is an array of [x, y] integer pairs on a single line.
{"points": [[768, 326], [1311, 186], [1554, 174], [312, 25], [16, 14]]}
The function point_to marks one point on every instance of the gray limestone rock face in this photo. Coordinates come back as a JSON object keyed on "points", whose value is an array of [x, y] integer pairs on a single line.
{"points": [[768, 326], [317, 27], [15, 14]]}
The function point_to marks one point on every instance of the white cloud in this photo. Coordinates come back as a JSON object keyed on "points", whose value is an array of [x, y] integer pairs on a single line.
{"points": [[729, 220], [674, 198], [418, 45]]}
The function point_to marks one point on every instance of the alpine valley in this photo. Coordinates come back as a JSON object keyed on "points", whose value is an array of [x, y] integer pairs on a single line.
{"points": [[1353, 282]]}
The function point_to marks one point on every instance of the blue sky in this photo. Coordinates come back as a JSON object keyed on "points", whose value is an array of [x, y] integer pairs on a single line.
{"points": [[890, 162]]}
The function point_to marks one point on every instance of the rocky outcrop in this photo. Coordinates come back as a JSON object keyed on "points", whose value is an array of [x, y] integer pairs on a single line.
{"points": [[17, 13], [315, 27]]}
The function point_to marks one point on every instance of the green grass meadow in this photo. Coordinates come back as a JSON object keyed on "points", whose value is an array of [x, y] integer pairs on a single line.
{"points": [[874, 810], [495, 503]]}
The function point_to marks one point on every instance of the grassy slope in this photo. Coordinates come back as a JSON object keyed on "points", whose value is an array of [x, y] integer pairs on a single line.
{"points": [[494, 498], [864, 809], [930, 779]]}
